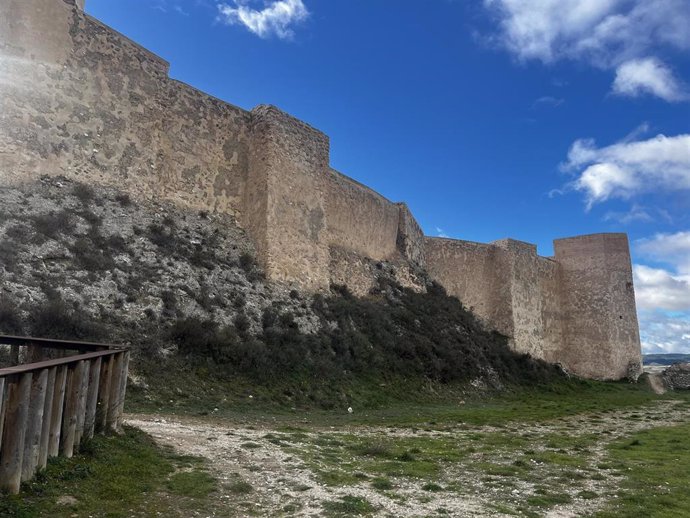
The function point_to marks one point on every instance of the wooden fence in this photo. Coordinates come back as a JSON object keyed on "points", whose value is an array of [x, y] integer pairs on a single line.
{"points": [[50, 406]]}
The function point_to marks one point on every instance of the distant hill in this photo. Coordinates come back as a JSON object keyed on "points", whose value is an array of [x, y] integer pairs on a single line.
{"points": [[664, 359]]}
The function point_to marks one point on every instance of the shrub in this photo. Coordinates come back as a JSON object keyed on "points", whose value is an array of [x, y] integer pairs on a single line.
{"points": [[9, 255], [10, 319], [54, 319], [247, 262], [53, 224], [242, 323], [90, 257], [18, 231], [169, 301], [84, 193], [123, 199]]}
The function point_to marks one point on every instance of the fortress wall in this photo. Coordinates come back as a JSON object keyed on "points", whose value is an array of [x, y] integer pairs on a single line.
{"points": [[549, 275], [288, 175], [518, 263], [35, 30], [601, 333], [360, 273], [475, 274], [507, 285], [410, 240], [360, 219], [81, 100]]}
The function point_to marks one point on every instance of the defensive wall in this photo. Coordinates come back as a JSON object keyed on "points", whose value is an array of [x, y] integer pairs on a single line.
{"points": [[81, 100]]}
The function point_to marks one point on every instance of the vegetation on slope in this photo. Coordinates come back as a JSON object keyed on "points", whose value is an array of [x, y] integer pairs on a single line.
{"points": [[184, 290]]}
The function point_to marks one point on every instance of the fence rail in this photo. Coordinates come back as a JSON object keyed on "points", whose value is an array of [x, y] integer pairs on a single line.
{"points": [[50, 406]]}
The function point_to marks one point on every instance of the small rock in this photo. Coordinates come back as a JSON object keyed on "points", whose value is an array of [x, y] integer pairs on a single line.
{"points": [[67, 501]]}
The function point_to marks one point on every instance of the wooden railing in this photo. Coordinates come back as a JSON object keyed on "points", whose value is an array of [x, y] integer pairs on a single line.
{"points": [[50, 406]]}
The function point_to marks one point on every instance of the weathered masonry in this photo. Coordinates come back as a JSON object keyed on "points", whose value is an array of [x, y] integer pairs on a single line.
{"points": [[79, 99], [48, 407]]}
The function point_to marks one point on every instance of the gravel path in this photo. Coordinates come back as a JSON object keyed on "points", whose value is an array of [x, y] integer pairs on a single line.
{"points": [[285, 484]]}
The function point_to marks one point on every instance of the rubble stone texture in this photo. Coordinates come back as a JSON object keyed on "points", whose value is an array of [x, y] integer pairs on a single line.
{"points": [[677, 376]]}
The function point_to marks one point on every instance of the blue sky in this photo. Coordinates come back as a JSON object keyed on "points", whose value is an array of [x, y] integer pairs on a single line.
{"points": [[490, 118]]}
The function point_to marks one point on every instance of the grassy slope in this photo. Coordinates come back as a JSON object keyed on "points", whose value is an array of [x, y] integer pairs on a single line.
{"points": [[125, 475], [657, 467]]}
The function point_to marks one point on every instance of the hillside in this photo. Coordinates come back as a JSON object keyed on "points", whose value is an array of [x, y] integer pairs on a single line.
{"points": [[183, 289]]}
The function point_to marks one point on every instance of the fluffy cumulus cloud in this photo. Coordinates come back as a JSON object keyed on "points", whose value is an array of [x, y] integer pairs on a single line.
{"points": [[656, 288], [628, 168], [648, 76], [672, 249], [661, 333], [276, 18], [663, 292], [610, 34]]}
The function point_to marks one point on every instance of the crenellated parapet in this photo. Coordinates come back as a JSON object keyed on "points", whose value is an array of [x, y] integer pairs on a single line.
{"points": [[79, 99]]}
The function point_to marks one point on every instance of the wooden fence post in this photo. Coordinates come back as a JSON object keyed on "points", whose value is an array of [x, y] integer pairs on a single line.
{"points": [[123, 390], [57, 412], [92, 400], [47, 419], [2, 407], [104, 393], [69, 418], [14, 355], [34, 425], [81, 404], [11, 456], [114, 392]]}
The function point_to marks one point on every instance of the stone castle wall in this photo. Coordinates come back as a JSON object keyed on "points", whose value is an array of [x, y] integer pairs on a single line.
{"points": [[598, 304], [360, 219], [81, 100]]}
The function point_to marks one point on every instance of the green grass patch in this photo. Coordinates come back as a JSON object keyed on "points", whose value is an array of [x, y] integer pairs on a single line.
{"points": [[656, 464], [114, 476], [349, 506], [241, 487], [194, 484], [382, 484]]}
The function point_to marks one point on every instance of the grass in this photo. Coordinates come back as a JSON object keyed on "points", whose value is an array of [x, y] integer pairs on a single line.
{"points": [[349, 506], [529, 458], [117, 476], [400, 402], [656, 464]]}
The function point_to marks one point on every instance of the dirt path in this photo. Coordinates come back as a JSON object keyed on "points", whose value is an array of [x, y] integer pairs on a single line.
{"points": [[261, 474]]}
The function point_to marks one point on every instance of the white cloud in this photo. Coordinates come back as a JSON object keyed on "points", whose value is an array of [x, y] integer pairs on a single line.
{"points": [[548, 100], [663, 294], [656, 288], [635, 214], [661, 333], [648, 76], [629, 168], [672, 249], [276, 19], [604, 33], [440, 232]]}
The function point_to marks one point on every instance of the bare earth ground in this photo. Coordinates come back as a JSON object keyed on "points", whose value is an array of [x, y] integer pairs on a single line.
{"points": [[556, 468]]}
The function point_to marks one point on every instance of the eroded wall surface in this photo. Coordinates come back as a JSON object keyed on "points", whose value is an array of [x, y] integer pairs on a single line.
{"points": [[288, 180], [81, 100], [472, 272]]}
